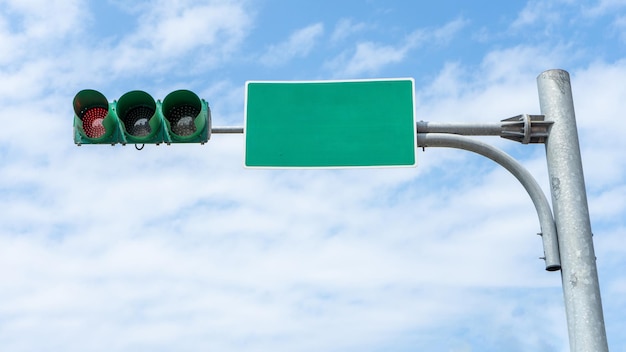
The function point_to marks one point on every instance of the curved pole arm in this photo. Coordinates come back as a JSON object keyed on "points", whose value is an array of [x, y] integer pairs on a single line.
{"points": [[546, 221]]}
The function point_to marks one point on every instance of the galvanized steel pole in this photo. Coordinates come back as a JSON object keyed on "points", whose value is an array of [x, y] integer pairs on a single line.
{"points": [[581, 290]]}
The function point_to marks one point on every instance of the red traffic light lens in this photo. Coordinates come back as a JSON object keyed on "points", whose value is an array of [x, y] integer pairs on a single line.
{"points": [[92, 122]]}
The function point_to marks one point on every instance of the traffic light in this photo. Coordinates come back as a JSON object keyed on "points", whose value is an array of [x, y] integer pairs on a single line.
{"points": [[187, 118], [137, 118]]}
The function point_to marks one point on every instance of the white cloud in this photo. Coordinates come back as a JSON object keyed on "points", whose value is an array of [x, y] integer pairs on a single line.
{"points": [[27, 27], [299, 44], [445, 33], [546, 14], [619, 24], [40, 19], [595, 111], [176, 30], [369, 57], [345, 28], [604, 7], [530, 14]]}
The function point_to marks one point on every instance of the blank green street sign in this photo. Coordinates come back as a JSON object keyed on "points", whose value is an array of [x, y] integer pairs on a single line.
{"points": [[319, 124]]}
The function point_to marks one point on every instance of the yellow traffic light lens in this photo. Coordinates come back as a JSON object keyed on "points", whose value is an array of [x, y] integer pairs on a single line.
{"points": [[135, 109], [137, 121]]}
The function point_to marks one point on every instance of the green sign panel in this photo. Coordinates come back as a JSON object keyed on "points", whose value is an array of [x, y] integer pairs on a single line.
{"points": [[318, 124]]}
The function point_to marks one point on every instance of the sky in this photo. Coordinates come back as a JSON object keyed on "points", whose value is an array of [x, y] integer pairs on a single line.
{"points": [[181, 248]]}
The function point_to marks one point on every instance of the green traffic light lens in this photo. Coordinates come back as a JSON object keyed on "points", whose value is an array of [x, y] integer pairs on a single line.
{"points": [[137, 120], [181, 108], [181, 118]]}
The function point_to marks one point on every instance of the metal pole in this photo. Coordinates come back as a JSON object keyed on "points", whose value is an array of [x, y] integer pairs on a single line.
{"points": [[581, 290]]}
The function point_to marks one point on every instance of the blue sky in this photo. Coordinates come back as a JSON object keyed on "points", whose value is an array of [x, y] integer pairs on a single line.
{"points": [[181, 248]]}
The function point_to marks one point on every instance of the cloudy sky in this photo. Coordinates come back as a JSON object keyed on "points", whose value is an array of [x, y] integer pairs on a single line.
{"points": [[180, 248]]}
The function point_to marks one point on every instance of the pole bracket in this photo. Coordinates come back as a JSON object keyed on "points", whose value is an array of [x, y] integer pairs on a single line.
{"points": [[526, 128]]}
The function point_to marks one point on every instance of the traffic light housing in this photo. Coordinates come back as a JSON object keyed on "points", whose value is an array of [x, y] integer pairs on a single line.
{"points": [[137, 118]]}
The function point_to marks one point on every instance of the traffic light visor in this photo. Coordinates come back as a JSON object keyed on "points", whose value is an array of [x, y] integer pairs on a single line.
{"points": [[181, 109], [136, 110], [92, 109]]}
